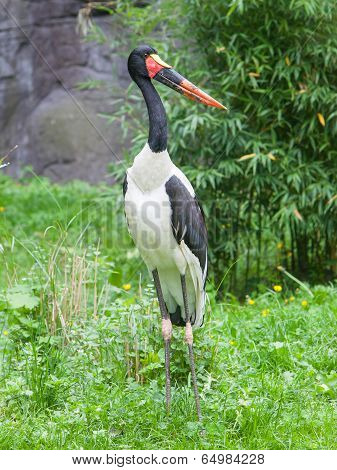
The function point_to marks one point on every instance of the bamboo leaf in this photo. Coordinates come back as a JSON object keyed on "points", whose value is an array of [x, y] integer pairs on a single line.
{"points": [[297, 215], [321, 119], [247, 157]]}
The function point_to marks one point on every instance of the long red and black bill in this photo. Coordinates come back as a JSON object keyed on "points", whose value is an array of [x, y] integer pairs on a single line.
{"points": [[169, 77]]}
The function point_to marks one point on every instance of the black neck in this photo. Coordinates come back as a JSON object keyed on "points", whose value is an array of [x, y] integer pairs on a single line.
{"points": [[157, 115]]}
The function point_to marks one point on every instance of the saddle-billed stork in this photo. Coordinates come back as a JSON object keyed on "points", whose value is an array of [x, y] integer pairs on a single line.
{"points": [[164, 217]]}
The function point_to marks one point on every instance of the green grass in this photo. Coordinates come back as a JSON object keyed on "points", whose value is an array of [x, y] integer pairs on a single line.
{"points": [[82, 363]]}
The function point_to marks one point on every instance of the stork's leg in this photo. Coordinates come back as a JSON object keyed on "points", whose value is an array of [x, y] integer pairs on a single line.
{"points": [[167, 334], [189, 341]]}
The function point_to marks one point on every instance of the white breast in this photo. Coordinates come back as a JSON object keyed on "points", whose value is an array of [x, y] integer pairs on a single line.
{"points": [[150, 170]]}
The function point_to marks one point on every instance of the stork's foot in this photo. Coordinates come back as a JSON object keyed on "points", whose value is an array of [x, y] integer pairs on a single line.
{"points": [[189, 341], [167, 334]]}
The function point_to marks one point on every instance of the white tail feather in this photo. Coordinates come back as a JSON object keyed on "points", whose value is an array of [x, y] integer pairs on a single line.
{"points": [[198, 283]]}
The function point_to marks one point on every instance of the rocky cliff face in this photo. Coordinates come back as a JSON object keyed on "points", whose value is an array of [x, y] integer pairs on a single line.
{"points": [[54, 124]]}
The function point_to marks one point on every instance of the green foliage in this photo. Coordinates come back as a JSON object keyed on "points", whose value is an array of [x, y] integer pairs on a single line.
{"points": [[38, 218], [265, 171]]}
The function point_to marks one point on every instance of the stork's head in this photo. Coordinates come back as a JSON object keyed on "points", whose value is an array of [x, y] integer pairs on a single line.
{"points": [[144, 62]]}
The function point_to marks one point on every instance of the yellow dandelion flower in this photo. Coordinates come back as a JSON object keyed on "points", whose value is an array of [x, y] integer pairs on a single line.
{"points": [[232, 342], [2, 209], [126, 286], [291, 298], [279, 245], [5, 332], [251, 301], [277, 288], [265, 312], [304, 303]]}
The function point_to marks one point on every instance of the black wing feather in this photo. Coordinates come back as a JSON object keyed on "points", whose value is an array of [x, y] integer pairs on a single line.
{"points": [[125, 184], [187, 219]]}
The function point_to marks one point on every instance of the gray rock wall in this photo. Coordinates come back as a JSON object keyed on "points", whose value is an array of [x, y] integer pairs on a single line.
{"points": [[40, 109]]}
